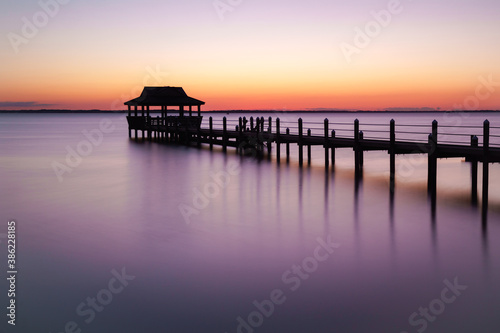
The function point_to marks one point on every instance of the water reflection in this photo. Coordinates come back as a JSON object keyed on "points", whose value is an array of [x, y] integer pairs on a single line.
{"points": [[281, 208]]}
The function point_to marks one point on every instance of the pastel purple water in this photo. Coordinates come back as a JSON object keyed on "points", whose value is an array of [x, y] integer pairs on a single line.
{"points": [[200, 261]]}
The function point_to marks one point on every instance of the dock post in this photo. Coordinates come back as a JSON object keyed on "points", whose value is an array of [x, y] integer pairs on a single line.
{"points": [[224, 134], [357, 163], [486, 166], [260, 138], [327, 156], [157, 132], [333, 149], [432, 161], [149, 132], [251, 123], [278, 148], [392, 152], [198, 132], [269, 141], [309, 149], [135, 115], [143, 125], [287, 146], [301, 152], [211, 132], [129, 129], [239, 148], [361, 153], [257, 129], [474, 142]]}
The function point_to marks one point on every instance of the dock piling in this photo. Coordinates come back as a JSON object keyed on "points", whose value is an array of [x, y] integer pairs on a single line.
{"points": [[309, 149], [333, 149], [486, 167], [287, 146], [269, 141], [432, 161], [224, 134], [474, 142], [211, 132], [361, 153], [327, 157], [278, 143], [392, 152], [301, 152], [357, 162]]}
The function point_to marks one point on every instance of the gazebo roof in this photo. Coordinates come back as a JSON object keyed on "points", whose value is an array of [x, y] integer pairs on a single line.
{"points": [[164, 96]]}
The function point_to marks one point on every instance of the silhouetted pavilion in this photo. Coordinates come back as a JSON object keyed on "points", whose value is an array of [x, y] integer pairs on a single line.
{"points": [[164, 97]]}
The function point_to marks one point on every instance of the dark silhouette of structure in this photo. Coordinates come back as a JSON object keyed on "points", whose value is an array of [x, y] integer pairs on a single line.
{"points": [[162, 97], [257, 137]]}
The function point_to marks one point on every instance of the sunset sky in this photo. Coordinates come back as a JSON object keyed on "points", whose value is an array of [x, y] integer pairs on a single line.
{"points": [[252, 54]]}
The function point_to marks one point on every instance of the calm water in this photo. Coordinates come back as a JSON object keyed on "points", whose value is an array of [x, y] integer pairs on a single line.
{"points": [[204, 240]]}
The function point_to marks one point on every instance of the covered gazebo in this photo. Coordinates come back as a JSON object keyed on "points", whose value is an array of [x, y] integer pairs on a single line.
{"points": [[163, 97]]}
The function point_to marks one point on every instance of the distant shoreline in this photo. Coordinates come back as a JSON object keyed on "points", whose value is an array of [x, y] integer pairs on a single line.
{"points": [[44, 111]]}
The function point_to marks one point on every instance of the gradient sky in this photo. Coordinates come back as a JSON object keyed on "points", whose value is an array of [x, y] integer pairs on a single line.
{"points": [[263, 54]]}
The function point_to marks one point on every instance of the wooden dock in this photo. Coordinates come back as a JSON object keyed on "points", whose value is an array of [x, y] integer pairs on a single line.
{"points": [[260, 135]]}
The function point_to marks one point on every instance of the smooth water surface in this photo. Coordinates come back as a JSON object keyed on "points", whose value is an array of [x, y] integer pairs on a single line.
{"points": [[206, 239]]}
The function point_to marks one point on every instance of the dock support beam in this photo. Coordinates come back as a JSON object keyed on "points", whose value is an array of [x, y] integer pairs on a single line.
{"points": [[361, 152], [474, 142], [357, 161], [327, 155], [432, 162], [309, 157], [239, 145], [392, 152], [129, 129], [287, 146], [211, 132], [198, 130], [269, 141], [224, 134], [301, 152], [149, 131], [135, 114], [486, 167], [278, 144], [142, 113], [333, 150]]}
